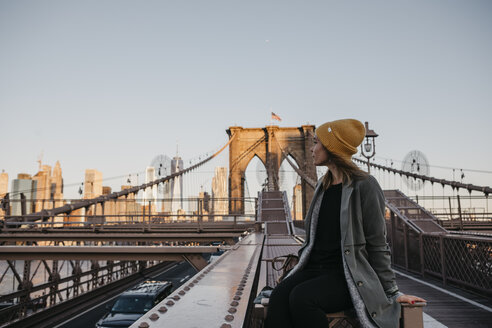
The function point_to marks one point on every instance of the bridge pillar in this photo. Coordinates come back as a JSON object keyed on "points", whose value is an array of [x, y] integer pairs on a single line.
{"points": [[308, 167], [273, 158], [271, 145]]}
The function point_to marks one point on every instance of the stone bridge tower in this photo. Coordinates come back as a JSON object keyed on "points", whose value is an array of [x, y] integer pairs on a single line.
{"points": [[267, 144]]}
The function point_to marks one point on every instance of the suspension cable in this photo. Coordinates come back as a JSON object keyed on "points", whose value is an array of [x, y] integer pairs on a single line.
{"points": [[303, 175], [454, 184], [115, 195], [441, 167]]}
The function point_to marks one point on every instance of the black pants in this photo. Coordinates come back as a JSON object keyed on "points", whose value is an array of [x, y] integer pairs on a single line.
{"points": [[303, 299]]}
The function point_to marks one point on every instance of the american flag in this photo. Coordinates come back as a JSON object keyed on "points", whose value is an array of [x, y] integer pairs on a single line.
{"points": [[276, 117]]}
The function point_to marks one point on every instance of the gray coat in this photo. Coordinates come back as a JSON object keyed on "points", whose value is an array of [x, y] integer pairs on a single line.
{"points": [[366, 254]]}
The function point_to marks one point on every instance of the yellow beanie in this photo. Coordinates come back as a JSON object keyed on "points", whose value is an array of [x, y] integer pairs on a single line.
{"points": [[341, 137]]}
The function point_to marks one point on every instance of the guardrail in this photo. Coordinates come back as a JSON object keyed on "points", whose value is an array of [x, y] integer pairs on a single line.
{"points": [[461, 260], [124, 209], [229, 223]]}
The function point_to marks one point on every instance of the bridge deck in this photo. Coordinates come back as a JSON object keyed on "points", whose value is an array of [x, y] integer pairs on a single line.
{"points": [[219, 294], [446, 304], [277, 246]]}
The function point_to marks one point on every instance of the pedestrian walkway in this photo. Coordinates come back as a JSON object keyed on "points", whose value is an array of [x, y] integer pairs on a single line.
{"points": [[447, 306]]}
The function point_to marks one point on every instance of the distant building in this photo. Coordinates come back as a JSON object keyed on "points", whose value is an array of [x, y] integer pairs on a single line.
{"points": [[35, 193], [56, 180], [22, 194], [167, 197], [204, 201], [150, 194], [181, 215], [92, 184], [176, 185], [4, 189], [162, 165], [297, 202], [93, 188], [220, 204], [4, 184], [49, 193], [109, 206], [43, 192], [127, 208], [76, 218]]}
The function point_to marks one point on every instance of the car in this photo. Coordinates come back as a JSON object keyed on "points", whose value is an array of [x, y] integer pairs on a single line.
{"points": [[135, 302], [212, 257]]}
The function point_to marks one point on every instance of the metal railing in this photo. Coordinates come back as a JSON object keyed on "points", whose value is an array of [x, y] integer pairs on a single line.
{"points": [[462, 260], [30, 286], [137, 212], [459, 212]]}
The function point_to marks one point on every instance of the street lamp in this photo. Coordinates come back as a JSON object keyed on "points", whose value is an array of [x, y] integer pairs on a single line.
{"points": [[368, 148]]}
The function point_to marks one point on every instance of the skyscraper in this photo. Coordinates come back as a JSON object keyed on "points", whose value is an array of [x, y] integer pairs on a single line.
{"points": [[43, 193], [162, 165], [297, 202], [219, 192], [128, 208], [92, 184], [176, 185], [57, 185], [22, 194], [204, 209], [4, 184], [150, 193], [4, 189], [49, 192], [92, 189], [109, 206], [167, 195]]}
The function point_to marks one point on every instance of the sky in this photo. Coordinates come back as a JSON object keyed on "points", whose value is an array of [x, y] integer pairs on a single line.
{"points": [[110, 85]]}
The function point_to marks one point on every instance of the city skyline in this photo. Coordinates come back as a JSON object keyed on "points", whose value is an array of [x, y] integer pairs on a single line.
{"points": [[109, 85], [133, 179]]}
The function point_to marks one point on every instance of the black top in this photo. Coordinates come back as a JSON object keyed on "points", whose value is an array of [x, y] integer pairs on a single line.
{"points": [[327, 251]]}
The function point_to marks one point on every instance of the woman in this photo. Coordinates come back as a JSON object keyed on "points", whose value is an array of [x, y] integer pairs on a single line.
{"points": [[344, 262]]}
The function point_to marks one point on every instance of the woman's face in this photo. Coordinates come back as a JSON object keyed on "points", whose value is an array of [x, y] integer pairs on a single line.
{"points": [[319, 153]]}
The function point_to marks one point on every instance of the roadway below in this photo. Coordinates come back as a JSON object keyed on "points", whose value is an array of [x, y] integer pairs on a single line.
{"points": [[178, 274]]}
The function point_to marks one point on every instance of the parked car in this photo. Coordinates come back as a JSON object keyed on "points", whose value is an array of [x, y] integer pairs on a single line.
{"points": [[134, 303]]}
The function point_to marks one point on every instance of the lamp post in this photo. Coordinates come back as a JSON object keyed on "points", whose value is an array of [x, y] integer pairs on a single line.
{"points": [[368, 148]]}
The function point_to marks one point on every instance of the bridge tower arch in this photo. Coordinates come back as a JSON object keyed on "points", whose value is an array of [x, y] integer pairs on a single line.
{"points": [[269, 144]]}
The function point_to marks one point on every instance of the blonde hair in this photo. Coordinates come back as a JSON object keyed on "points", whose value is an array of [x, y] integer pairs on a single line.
{"points": [[347, 169]]}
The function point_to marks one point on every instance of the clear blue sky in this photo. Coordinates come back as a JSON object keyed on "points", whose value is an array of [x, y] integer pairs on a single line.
{"points": [[111, 84]]}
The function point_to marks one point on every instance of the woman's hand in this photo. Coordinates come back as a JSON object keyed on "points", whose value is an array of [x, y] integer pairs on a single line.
{"points": [[409, 299]]}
